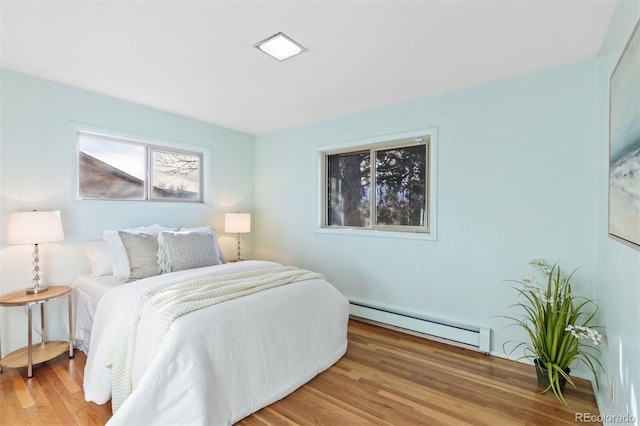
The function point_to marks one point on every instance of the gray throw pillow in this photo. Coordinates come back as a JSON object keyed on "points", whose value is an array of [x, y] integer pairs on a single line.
{"points": [[188, 250], [142, 253]]}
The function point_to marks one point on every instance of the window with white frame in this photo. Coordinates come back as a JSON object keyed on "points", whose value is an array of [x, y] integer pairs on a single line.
{"points": [[114, 168], [379, 185]]}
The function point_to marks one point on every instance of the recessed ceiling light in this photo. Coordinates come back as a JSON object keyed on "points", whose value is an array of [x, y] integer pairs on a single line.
{"points": [[280, 46]]}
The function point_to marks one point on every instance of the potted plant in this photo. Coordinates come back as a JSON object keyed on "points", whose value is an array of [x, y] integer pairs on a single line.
{"points": [[559, 327]]}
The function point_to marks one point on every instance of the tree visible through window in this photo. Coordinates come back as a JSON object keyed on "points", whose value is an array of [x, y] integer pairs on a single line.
{"points": [[390, 192], [401, 186], [176, 174], [348, 195], [117, 169]]}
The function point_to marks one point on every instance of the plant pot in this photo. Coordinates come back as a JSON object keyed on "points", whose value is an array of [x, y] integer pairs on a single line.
{"points": [[543, 376]]}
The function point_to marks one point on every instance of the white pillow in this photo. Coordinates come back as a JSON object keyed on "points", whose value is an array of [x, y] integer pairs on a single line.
{"points": [[196, 229], [100, 257], [178, 251], [120, 261]]}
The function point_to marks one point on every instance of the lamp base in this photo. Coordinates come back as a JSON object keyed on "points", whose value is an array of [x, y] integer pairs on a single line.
{"points": [[37, 289], [239, 258]]}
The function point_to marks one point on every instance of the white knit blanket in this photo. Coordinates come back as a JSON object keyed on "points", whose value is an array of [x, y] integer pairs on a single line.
{"points": [[150, 319]]}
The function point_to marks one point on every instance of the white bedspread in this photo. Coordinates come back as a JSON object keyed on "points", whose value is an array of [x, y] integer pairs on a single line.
{"points": [[221, 363]]}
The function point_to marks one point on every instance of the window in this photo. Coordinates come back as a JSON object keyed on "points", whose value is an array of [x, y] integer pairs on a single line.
{"points": [[111, 168], [379, 186]]}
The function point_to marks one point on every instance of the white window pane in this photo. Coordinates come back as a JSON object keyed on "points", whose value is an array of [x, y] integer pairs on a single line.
{"points": [[109, 169], [176, 175]]}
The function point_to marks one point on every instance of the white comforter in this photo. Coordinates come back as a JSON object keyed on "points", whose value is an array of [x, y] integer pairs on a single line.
{"points": [[219, 364]]}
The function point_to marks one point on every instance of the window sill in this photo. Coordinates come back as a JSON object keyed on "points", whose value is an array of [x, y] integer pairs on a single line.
{"points": [[379, 234]]}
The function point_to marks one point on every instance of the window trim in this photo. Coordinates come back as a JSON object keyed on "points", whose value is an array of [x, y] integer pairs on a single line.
{"points": [[152, 145], [380, 142]]}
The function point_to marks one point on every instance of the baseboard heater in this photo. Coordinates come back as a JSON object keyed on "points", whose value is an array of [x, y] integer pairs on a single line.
{"points": [[463, 335]]}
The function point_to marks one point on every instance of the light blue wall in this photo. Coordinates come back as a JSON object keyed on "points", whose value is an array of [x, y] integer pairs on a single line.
{"points": [[38, 162], [517, 179], [618, 274]]}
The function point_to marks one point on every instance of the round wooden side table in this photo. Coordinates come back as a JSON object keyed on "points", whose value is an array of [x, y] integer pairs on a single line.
{"points": [[30, 355]]}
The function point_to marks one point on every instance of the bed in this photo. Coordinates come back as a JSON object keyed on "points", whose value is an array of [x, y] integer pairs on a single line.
{"points": [[214, 365]]}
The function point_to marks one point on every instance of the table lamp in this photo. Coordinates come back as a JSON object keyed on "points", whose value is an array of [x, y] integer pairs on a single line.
{"points": [[237, 223], [35, 228]]}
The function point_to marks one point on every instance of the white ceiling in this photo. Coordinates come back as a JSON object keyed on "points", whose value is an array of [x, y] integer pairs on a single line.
{"points": [[197, 58]]}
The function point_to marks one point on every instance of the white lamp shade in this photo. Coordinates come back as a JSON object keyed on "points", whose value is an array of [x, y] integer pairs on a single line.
{"points": [[237, 223], [35, 227]]}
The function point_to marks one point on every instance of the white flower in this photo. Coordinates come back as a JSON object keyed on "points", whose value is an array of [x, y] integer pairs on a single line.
{"points": [[532, 287], [581, 332], [541, 266]]}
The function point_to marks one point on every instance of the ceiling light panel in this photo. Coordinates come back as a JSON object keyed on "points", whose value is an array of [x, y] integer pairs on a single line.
{"points": [[280, 46]]}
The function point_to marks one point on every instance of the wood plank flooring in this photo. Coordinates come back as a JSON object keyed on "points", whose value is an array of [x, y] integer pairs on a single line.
{"points": [[386, 378], [53, 396]]}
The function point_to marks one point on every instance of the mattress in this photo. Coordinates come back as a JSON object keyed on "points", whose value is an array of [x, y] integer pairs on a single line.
{"points": [[86, 291]]}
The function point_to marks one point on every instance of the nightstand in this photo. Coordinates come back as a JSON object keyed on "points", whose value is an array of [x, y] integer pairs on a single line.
{"points": [[46, 350]]}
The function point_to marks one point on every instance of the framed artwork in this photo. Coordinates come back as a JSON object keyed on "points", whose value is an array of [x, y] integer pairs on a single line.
{"points": [[624, 145]]}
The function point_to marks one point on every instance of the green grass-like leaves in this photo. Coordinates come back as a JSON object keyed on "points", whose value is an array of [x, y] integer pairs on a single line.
{"points": [[549, 317]]}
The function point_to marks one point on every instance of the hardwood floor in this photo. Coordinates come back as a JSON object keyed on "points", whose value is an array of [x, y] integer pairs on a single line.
{"points": [[386, 378], [53, 396]]}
